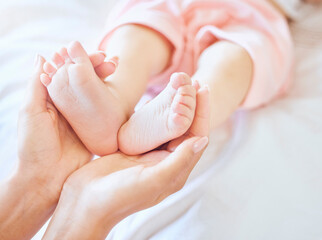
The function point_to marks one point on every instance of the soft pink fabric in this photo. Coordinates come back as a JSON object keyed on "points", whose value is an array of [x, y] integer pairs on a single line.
{"points": [[193, 25]]}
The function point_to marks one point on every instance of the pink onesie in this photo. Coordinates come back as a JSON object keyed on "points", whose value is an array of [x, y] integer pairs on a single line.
{"points": [[193, 25]]}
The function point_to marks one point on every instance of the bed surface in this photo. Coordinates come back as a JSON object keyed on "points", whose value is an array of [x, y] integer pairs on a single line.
{"points": [[261, 177]]}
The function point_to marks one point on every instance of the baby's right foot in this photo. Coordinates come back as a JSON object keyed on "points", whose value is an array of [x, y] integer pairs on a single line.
{"points": [[164, 118]]}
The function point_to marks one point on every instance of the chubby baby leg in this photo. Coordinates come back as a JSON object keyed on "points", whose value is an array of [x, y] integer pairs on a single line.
{"points": [[164, 118], [227, 69]]}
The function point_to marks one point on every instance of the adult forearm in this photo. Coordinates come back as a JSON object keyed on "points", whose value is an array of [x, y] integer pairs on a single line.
{"points": [[70, 224], [24, 207], [73, 218]]}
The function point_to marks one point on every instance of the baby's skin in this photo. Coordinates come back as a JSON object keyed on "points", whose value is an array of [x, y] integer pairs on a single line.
{"points": [[76, 86]]}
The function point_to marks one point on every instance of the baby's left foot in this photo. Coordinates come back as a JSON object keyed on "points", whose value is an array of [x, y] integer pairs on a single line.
{"points": [[78, 92], [164, 118]]}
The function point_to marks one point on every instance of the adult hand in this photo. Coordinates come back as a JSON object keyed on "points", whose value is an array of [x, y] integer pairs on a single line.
{"points": [[103, 192], [48, 148], [49, 151]]}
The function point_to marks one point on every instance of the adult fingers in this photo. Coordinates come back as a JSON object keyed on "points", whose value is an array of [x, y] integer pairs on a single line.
{"points": [[176, 168], [201, 124], [171, 173], [36, 96]]}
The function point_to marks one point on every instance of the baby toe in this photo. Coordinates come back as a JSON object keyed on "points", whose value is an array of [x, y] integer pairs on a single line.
{"points": [[63, 52], [187, 101], [178, 124], [183, 110], [58, 60], [49, 69], [183, 106], [105, 69], [45, 79], [97, 58], [179, 79], [188, 91], [77, 53]]}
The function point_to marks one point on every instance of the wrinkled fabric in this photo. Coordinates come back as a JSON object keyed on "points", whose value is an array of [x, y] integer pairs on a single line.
{"points": [[193, 25]]}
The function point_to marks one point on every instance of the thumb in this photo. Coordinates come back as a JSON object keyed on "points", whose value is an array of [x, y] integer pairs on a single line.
{"points": [[176, 168], [36, 96]]}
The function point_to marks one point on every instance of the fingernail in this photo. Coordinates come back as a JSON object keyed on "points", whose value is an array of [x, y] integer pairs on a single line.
{"points": [[196, 84], [36, 60], [103, 53], [206, 87], [200, 144], [114, 60]]}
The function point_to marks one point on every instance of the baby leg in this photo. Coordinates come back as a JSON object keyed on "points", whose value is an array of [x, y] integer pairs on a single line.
{"points": [[142, 53], [227, 69]]}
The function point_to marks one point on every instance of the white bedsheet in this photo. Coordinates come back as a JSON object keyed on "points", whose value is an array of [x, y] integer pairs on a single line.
{"points": [[261, 175]]}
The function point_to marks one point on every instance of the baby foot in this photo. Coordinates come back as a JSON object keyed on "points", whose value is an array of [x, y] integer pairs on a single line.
{"points": [[92, 110], [102, 69], [166, 117]]}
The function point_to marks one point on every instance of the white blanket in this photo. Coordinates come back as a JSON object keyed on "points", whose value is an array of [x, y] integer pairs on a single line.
{"points": [[261, 175]]}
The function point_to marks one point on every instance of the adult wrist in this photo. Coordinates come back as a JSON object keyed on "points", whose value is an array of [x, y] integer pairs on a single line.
{"points": [[21, 201], [36, 186], [76, 217], [45, 186]]}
